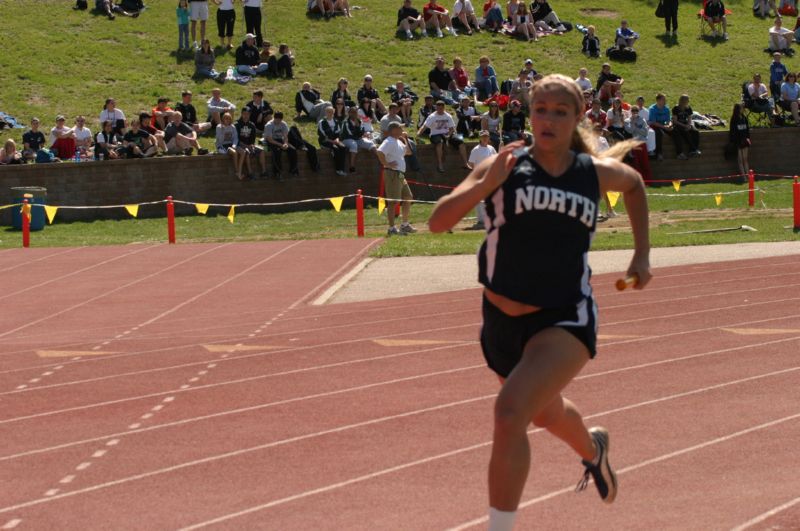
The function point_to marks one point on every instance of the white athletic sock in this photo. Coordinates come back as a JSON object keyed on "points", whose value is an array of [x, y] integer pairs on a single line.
{"points": [[501, 520]]}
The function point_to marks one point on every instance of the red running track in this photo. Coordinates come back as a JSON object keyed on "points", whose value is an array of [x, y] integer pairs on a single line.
{"points": [[193, 386]]}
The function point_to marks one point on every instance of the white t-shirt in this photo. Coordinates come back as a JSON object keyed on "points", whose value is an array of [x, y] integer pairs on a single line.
{"points": [[644, 113], [480, 153], [252, 3], [394, 151], [439, 124], [82, 134], [466, 5], [584, 83], [226, 5], [112, 116]]}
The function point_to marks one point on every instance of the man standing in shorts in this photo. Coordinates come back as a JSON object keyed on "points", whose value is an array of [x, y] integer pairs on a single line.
{"points": [[198, 10], [391, 154]]}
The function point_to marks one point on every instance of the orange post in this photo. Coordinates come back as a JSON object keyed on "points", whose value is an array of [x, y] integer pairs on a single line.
{"points": [[26, 223], [359, 214], [796, 197], [170, 219], [751, 186]]}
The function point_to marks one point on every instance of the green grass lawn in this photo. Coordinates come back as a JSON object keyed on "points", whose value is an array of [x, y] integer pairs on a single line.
{"points": [[62, 61]]}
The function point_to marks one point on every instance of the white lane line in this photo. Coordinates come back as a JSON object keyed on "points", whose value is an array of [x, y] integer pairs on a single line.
{"points": [[11, 524], [146, 416], [52, 492], [22, 386], [134, 426], [34, 380], [83, 466], [67, 479], [766, 515], [47, 373], [380, 420], [642, 464], [112, 442], [168, 399], [28, 262], [192, 380], [243, 380], [159, 407], [99, 453], [107, 293], [344, 279]]}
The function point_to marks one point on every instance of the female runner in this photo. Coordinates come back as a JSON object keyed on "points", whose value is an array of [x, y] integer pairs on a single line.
{"points": [[539, 318]]}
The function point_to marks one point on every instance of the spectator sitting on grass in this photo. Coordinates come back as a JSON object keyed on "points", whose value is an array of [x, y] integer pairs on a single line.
{"points": [[189, 113], [126, 8], [157, 136], [285, 64], [520, 89], [405, 101], [307, 101], [320, 7], [62, 139], [461, 78], [761, 8], [366, 113], [181, 138], [464, 16], [106, 143], [248, 59], [685, 131], [115, 116], [32, 141], [485, 79], [368, 92], [9, 153], [441, 82], [583, 82], [227, 141], [329, 133], [659, 119], [530, 72], [137, 142], [436, 16], [204, 62], [492, 122], [759, 97], [514, 123], [276, 136], [162, 114], [409, 19], [443, 131], [340, 111], [260, 110], [780, 38], [469, 121], [597, 117], [523, 24], [493, 16], [217, 106], [341, 92], [608, 84], [354, 136], [591, 43], [426, 110], [626, 37], [247, 147], [777, 73], [542, 12], [83, 136], [790, 94]]}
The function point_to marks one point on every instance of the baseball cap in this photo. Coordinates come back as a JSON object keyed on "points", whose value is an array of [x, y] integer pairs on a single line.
{"points": [[249, 36], [60, 117], [515, 103], [428, 96], [529, 61], [368, 77], [484, 132]]}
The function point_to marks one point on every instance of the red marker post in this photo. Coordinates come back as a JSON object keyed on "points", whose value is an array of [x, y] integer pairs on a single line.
{"points": [[26, 223], [170, 219], [359, 214], [751, 186], [796, 197]]}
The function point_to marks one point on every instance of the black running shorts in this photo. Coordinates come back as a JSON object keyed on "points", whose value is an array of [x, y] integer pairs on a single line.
{"points": [[503, 337]]}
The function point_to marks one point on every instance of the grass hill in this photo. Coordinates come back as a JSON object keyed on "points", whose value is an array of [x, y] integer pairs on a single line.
{"points": [[60, 61]]}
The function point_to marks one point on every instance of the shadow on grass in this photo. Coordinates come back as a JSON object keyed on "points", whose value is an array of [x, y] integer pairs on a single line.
{"points": [[668, 40]]}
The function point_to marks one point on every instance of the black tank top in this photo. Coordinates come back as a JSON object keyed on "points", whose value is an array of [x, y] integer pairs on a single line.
{"points": [[539, 232]]}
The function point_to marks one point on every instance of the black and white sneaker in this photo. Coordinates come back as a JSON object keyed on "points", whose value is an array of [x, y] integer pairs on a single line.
{"points": [[604, 478]]}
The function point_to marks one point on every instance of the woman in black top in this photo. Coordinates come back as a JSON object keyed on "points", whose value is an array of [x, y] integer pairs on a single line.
{"points": [[739, 135], [671, 16], [342, 92], [538, 312]]}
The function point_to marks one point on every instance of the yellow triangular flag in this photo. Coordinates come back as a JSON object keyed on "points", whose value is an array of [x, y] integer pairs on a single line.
{"points": [[613, 197], [337, 203], [133, 210], [202, 208], [232, 213], [381, 205], [51, 213], [677, 185], [718, 199]]}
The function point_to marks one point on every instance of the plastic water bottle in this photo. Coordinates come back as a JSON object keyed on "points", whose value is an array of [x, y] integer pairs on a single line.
{"points": [[77, 155], [229, 73]]}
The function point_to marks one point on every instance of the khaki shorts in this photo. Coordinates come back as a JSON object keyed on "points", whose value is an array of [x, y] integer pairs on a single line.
{"points": [[396, 185], [198, 10]]}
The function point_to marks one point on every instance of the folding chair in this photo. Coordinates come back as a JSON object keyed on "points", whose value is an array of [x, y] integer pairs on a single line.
{"points": [[707, 29], [757, 116]]}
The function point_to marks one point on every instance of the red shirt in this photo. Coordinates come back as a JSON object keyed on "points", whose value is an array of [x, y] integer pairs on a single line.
{"points": [[599, 120], [460, 76], [431, 6]]}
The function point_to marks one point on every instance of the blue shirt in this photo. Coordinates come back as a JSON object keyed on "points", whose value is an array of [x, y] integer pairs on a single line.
{"points": [[777, 71], [790, 91], [661, 116]]}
